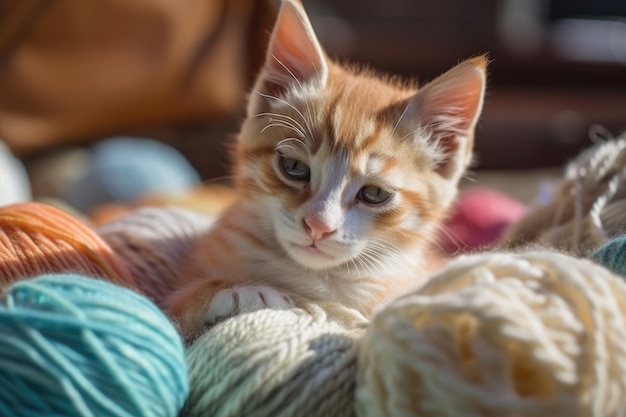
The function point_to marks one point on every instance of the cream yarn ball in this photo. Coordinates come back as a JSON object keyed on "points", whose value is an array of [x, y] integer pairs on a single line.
{"points": [[532, 334]]}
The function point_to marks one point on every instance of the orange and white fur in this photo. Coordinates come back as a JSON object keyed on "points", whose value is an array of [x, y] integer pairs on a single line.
{"points": [[343, 179]]}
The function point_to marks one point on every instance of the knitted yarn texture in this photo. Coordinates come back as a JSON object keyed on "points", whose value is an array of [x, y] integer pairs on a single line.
{"points": [[532, 334], [153, 242], [612, 255], [277, 363], [75, 346], [587, 208], [37, 238]]}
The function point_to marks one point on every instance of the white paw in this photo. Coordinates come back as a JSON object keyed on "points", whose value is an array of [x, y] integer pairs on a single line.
{"points": [[233, 301]]}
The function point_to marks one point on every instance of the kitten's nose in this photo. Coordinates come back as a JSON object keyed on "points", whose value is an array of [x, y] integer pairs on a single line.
{"points": [[317, 228]]}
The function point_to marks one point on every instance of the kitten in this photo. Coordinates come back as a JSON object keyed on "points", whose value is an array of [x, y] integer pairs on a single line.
{"points": [[343, 179]]}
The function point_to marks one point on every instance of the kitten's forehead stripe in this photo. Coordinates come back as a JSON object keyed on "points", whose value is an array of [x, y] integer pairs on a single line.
{"points": [[356, 113], [370, 139], [381, 164], [330, 120]]}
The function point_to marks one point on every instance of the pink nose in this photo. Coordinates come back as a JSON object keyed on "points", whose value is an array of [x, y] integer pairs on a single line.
{"points": [[318, 229]]}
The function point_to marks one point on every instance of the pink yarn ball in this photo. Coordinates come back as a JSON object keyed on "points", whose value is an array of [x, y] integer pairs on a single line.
{"points": [[479, 219]]}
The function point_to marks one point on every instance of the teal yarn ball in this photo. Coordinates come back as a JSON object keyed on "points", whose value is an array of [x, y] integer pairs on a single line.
{"points": [[612, 255], [80, 347]]}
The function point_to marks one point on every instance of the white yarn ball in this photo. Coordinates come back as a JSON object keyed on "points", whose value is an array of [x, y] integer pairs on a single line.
{"points": [[534, 334], [14, 182]]}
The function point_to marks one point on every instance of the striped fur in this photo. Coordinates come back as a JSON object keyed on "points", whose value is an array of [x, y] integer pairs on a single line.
{"points": [[320, 237]]}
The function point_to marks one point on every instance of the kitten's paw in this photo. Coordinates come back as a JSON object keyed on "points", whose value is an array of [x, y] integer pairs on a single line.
{"points": [[237, 300]]}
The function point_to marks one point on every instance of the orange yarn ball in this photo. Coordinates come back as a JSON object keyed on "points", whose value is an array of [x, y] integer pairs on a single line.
{"points": [[37, 238]]}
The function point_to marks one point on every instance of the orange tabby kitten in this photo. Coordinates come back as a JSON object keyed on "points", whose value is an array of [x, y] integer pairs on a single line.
{"points": [[343, 179]]}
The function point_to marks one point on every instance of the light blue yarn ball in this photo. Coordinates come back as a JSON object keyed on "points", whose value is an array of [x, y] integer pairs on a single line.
{"points": [[612, 255], [123, 168], [77, 347]]}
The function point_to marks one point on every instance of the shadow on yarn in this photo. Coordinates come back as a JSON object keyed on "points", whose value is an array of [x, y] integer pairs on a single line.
{"points": [[153, 243]]}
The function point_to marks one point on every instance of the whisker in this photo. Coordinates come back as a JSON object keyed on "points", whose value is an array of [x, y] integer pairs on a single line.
{"points": [[366, 263], [301, 87], [386, 250], [456, 240], [299, 146], [419, 130], [288, 70], [297, 140], [374, 257], [287, 143], [268, 96], [281, 125], [217, 179], [292, 148], [289, 119], [359, 272], [406, 108]]}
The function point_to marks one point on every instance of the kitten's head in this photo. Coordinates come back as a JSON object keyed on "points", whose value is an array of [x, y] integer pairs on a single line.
{"points": [[347, 167]]}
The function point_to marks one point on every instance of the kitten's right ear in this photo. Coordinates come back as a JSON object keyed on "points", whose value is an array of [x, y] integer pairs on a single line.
{"points": [[294, 55]]}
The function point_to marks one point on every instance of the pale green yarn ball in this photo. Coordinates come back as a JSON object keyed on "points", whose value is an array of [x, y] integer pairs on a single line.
{"points": [[296, 362]]}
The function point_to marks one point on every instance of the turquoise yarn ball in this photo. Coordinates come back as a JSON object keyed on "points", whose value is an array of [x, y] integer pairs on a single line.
{"points": [[76, 346], [612, 255]]}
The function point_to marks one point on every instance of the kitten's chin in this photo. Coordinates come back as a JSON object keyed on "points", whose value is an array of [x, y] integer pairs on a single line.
{"points": [[312, 257]]}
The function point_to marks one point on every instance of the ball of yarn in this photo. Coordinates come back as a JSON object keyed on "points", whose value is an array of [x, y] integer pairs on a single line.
{"points": [[153, 243], [51, 172], [297, 362], [14, 181], [480, 217], [587, 206], [533, 334], [612, 255], [79, 347], [123, 168], [207, 199], [36, 238]]}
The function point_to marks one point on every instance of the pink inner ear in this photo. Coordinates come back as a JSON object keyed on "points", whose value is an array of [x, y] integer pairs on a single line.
{"points": [[294, 54], [449, 107], [449, 145]]}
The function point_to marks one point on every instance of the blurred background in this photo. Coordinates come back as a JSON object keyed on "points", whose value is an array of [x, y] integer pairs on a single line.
{"points": [[558, 66], [74, 75]]}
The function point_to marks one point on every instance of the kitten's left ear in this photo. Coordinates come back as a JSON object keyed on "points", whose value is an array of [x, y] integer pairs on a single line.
{"points": [[294, 56], [447, 110]]}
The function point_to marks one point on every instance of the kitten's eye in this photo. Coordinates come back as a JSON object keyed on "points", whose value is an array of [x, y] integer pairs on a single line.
{"points": [[373, 195], [295, 169]]}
